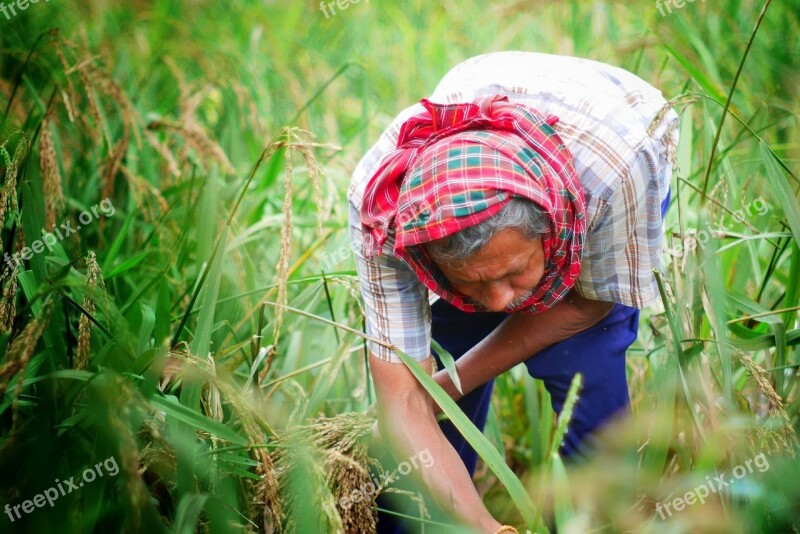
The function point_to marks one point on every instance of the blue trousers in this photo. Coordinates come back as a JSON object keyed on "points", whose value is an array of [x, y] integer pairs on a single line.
{"points": [[598, 353]]}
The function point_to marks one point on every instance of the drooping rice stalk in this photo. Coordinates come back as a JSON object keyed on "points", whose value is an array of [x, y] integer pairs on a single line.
{"points": [[94, 285], [338, 448], [8, 195], [8, 300], [19, 353], [51, 175]]}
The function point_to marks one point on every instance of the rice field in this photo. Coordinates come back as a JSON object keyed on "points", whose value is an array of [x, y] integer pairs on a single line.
{"points": [[180, 315]]}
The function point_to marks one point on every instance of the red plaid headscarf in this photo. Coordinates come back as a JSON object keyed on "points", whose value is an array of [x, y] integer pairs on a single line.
{"points": [[456, 165]]}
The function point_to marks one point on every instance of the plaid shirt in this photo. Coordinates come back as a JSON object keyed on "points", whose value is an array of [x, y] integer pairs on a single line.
{"points": [[622, 136]]}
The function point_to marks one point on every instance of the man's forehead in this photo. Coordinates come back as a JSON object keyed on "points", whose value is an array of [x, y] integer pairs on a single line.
{"points": [[506, 253]]}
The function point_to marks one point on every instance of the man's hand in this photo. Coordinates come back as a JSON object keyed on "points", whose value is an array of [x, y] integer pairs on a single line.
{"points": [[406, 422], [518, 338]]}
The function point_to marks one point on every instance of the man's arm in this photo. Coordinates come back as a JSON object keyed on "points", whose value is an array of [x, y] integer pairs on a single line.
{"points": [[406, 420], [396, 310], [521, 336]]}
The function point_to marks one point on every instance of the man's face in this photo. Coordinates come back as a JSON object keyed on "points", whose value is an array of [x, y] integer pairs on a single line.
{"points": [[503, 273]]}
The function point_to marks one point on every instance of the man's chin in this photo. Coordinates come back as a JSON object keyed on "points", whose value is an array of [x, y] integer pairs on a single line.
{"points": [[516, 303]]}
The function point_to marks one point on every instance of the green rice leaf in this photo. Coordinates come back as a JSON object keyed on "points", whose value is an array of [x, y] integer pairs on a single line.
{"points": [[449, 364], [478, 441]]}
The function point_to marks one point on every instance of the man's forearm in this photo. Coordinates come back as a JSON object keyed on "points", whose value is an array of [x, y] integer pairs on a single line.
{"points": [[521, 336], [446, 479], [408, 426]]}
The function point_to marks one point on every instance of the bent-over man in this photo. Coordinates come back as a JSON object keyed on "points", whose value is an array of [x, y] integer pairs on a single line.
{"points": [[516, 217]]}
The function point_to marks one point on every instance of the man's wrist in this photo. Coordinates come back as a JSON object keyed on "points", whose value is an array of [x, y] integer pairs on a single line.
{"points": [[443, 379]]}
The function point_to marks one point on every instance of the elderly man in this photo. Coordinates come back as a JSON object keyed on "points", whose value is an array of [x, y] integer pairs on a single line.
{"points": [[515, 216]]}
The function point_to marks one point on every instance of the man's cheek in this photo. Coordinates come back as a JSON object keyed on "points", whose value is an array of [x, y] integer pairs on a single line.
{"points": [[464, 290], [529, 280]]}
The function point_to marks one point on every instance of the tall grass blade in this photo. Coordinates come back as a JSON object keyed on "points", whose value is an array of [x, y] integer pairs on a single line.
{"points": [[478, 441]]}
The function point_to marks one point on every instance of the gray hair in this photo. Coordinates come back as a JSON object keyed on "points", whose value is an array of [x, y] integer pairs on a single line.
{"points": [[519, 214]]}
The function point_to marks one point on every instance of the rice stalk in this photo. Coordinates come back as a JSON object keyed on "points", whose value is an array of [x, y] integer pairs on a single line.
{"points": [[8, 196], [314, 172], [8, 302], [94, 110], [96, 85], [130, 118], [784, 438], [248, 109], [19, 354], [258, 433], [415, 497], [157, 459], [165, 153], [745, 188], [188, 125], [51, 176], [196, 139], [351, 285], [94, 277], [112, 165], [670, 144], [19, 239], [148, 199], [293, 142], [720, 192], [282, 269], [342, 444]]}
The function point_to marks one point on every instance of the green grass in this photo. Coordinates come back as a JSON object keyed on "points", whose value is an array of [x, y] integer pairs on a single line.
{"points": [[207, 125]]}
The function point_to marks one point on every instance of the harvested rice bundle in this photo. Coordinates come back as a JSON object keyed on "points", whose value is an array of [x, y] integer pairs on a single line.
{"points": [[335, 451]]}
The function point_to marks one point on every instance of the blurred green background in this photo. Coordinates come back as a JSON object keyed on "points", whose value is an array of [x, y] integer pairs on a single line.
{"points": [[224, 135]]}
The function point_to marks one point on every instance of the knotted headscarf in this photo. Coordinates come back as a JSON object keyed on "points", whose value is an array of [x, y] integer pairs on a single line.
{"points": [[456, 165]]}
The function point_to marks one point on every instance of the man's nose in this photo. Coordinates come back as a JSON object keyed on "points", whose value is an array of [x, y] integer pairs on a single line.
{"points": [[497, 295]]}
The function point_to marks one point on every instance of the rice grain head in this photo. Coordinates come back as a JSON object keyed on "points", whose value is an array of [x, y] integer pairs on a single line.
{"points": [[51, 176], [266, 500], [745, 189], [112, 165], [94, 278], [91, 99], [195, 138], [8, 196], [292, 141], [19, 353], [282, 269], [314, 173], [127, 112], [8, 302], [783, 438], [341, 444], [166, 154]]}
